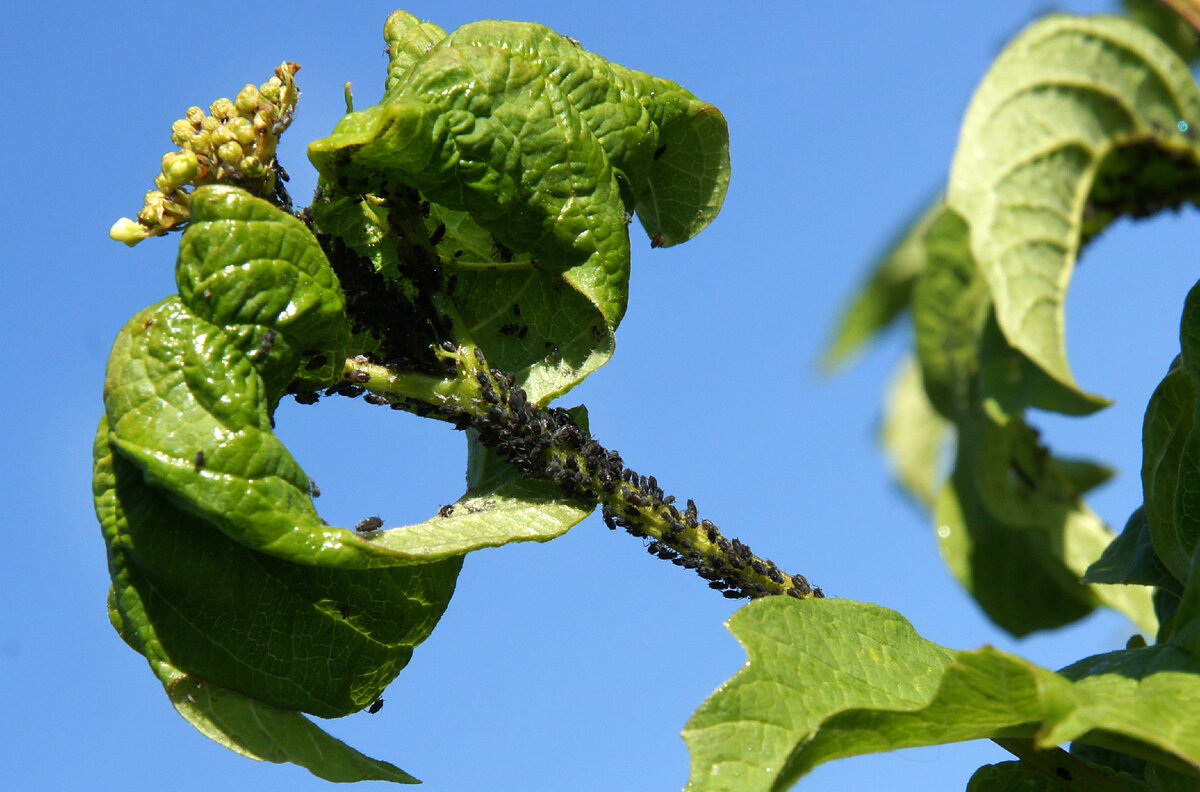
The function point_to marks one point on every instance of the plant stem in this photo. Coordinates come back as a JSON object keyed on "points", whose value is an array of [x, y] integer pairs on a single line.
{"points": [[547, 444]]}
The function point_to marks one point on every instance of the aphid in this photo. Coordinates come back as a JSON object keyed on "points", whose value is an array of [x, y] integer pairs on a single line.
{"points": [[268, 341], [316, 362], [198, 460], [509, 329], [360, 377], [313, 489], [758, 567], [478, 355], [733, 594], [147, 324], [795, 593], [1025, 478], [446, 510], [375, 398], [717, 584], [607, 513], [524, 331], [502, 253], [376, 705], [308, 397], [658, 152], [437, 234], [369, 524]]}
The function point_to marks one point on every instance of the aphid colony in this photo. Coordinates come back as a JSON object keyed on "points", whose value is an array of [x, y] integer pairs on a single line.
{"points": [[547, 443]]}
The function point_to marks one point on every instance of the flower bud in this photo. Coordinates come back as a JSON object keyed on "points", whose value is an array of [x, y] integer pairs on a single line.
{"points": [[242, 131], [181, 132], [222, 109], [247, 100], [194, 114], [180, 167], [230, 153], [127, 231]]}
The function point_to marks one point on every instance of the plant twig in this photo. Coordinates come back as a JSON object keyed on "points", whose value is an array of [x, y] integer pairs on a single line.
{"points": [[547, 444]]}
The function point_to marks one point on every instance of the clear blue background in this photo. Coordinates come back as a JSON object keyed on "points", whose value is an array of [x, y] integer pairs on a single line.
{"points": [[575, 664]]}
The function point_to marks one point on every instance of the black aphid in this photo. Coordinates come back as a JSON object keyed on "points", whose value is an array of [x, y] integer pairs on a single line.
{"points": [[369, 524], [268, 341], [198, 460], [437, 234], [658, 152], [446, 510], [307, 397], [376, 705], [375, 398], [313, 489]]}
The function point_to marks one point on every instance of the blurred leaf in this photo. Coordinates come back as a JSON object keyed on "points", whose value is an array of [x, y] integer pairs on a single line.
{"points": [[1163, 22], [994, 560], [827, 679], [950, 305], [1130, 558], [1074, 125], [914, 437], [1051, 777], [887, 291], [1012, 777]]}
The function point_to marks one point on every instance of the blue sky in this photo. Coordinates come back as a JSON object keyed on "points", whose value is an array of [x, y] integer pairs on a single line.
{"points": [[570, 665]]}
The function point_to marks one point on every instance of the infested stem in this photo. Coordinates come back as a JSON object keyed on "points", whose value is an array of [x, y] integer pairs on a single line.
{"points": [[547, 444]]}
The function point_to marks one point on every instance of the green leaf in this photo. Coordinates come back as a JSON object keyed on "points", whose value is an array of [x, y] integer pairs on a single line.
{"points": [[914, 436], [1074, 124], [499, 507], [189, 596], [260, 731], [408, 39], [192, 381], [887, 292], [827, 679], [526, 319], [536, 152], [239, 722]]}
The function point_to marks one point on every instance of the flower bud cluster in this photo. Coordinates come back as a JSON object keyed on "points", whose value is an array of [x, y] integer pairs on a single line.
{"points": [[234, 144]]}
